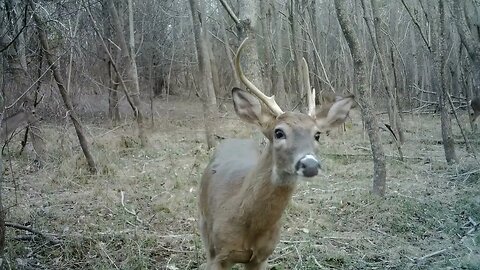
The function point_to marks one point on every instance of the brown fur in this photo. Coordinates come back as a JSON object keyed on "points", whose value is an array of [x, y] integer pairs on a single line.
{"points": [[19, 120], [336, 106], [243, 194], [475, 104]]}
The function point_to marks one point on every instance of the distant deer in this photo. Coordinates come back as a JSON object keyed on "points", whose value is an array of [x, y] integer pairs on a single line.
{"points": [[243, 193], [475, 104], [19, 120]]}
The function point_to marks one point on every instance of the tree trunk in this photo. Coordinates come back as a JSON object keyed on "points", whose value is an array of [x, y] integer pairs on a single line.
{"points": [[228, 51], [113, 108], [471, 44], [360, 77], [18, 64], [248, 26], [265, 47], [213, 64], [2, 211], [63, 92], [204, 64], [128, 62], [134, 77], [295, 45], [378, 41], [2, 214], [272, 24], [439, 50]]}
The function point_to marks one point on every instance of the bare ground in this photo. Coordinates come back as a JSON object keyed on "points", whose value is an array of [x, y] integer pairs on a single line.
{"points": [[139, 212]]}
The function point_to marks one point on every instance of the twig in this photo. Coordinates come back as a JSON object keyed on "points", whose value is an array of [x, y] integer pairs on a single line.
{"points": [[101, 246], [317, 262], [50, 238], [438, 252], [379, 231], [417, 25], [131, 212], [176, 250], [230, 12], [474, 227]]}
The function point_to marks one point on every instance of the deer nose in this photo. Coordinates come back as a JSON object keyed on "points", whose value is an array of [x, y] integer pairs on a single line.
{"points": [[307, 166]]}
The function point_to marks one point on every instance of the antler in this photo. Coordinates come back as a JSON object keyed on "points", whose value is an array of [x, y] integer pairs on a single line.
{"points": [[310, 93], [269, 101]]}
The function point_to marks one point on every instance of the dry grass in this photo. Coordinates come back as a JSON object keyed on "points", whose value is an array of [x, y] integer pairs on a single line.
{"points": [[333, 222]]}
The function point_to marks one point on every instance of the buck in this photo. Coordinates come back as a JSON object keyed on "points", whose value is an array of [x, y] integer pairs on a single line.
{"points": [[475, 104], [244, 192]]}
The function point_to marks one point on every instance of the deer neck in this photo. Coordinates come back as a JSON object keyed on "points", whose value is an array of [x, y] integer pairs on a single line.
{"points": [[265, 193]]}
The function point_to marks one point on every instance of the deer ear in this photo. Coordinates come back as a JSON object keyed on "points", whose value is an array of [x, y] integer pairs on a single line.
{"points": [[249, 108], [337, 114]]}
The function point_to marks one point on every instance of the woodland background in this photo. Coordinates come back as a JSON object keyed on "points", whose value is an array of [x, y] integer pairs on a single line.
{"points": [[110, 110]]}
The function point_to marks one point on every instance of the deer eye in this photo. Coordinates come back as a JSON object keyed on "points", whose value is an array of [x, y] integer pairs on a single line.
{"points": [[317, 136], [279, 134]]}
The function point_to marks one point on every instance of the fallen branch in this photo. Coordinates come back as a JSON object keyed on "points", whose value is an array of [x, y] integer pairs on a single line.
{"points": [[472, 225], [438, 252], [47, 237]]}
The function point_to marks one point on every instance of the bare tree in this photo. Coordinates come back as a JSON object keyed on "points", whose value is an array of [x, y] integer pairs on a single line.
{"points": [[471, 43], [360, 77], [2, 210], [296, 47], [128, 62], [113, 78], [204, 64], [63, 92], [17, 62], [247, 25], [378, 40], [439, 79]]}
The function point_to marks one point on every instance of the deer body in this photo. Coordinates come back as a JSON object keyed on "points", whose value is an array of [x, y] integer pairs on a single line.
{"points": [[19, 120], [247, 236], [243, 196], [475, 104], [244, 191]]}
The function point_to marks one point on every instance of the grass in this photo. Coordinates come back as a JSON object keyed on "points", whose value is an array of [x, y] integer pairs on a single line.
{"points": [[333, 222]]}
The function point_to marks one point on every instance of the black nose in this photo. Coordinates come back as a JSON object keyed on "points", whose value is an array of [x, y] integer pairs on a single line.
{"points": [[308, 166]]}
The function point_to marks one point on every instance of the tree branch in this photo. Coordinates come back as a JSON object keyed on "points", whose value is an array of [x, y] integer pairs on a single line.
{"points": [[52, 239], [417, 25], [230, 12]]}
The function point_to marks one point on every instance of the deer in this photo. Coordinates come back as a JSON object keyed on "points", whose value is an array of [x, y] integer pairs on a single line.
{"points": [[243, 191], [19, 120], [475, 104]]}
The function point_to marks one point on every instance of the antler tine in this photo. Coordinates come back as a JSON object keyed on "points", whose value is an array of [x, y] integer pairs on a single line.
{"points": [[310, 91], [269, 101]]}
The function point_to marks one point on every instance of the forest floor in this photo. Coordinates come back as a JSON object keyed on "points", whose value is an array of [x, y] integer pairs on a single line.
{"points": [[140, 210]]}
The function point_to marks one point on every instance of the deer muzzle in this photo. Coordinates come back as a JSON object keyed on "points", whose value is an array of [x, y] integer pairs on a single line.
{"points": [[307, 166]]}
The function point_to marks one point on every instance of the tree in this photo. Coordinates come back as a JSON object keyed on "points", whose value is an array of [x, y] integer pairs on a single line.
{"points": [[439, 79], [17, 62], [127, 61], [471, 43], [378, 41], [360, 77], [42, 35], [204, 64]]}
